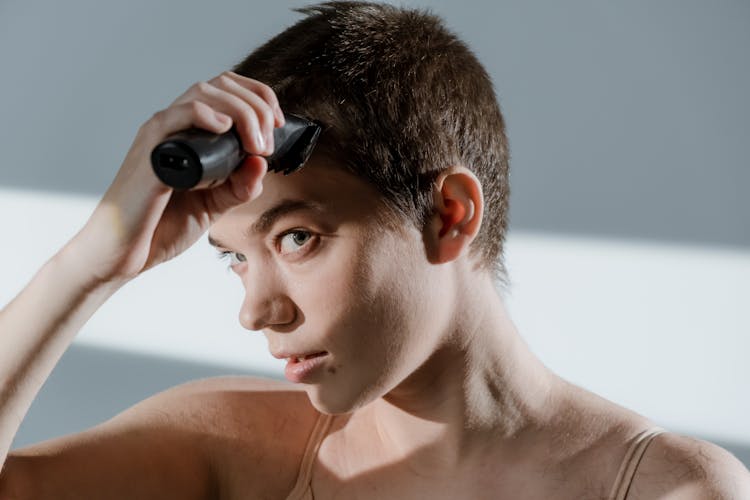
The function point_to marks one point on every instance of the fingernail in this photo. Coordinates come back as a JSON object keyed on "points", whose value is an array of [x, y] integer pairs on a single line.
{"points": [[261, 141]]}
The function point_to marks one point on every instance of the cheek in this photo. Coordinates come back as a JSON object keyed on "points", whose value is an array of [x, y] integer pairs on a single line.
{"points": [[375, 312], [337, 284], [380, 321], [349, 314], [403, 302]]}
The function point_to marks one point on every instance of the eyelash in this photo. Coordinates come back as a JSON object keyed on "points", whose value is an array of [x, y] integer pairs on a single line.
{"points": [[236, 258], [231, 257]]}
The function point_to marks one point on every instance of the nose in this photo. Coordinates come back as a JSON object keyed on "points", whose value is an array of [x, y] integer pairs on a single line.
{"points": [[265, 304]]}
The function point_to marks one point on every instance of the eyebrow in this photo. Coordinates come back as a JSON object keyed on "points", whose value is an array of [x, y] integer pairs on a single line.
{"points": [[270, 216]]}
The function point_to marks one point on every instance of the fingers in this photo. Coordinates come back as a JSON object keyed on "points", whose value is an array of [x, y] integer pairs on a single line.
{"points": [[261, 89], [189, 114], [245, 184], [252, 106], [256, 118]]}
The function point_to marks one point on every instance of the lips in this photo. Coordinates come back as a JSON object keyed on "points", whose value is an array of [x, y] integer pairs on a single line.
{"points": [[305, 368]]}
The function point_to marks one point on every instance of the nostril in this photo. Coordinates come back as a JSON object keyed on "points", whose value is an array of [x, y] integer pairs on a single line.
{"points": [[284, 312]]}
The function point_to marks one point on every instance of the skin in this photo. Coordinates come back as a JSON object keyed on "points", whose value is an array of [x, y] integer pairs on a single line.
{"points": [[436, 394]]}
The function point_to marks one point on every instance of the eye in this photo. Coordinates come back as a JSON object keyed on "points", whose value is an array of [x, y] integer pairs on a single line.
{"points": [[234, 258], [293, 241]]}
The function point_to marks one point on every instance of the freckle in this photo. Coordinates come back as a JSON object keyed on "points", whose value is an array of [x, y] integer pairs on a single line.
{"points": [[332, 369]]}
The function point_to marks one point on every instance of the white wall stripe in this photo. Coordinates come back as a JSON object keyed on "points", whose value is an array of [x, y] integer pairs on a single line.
{"points": [[662, 329]]}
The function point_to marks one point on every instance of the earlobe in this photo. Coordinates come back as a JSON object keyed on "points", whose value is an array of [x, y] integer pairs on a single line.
{"points": [[458, 212]]}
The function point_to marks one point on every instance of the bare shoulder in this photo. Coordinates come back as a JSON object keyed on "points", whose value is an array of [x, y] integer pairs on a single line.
{"points": [[214, 438], [254, 430], [684, 468], [229, 404], [246, 409]]}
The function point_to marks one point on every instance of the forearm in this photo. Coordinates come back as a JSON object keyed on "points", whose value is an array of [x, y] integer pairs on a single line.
{"points": [[138, 224], [37, 327]]}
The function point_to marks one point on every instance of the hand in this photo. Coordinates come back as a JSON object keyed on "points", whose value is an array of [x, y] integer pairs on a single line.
{"points": [[140, 222]]}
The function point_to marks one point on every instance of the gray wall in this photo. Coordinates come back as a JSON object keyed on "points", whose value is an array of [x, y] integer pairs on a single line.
{"points": [[626, 119]]}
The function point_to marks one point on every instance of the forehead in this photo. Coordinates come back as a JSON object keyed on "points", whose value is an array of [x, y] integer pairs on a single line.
{"points": [[323, 180], [340, 195]]}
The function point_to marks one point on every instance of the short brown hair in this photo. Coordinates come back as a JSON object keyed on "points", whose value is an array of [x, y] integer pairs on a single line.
{"points": [[401, 99]]}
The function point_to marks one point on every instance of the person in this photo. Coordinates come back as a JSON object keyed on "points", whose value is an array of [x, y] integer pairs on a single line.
{"points": [[376, 271]]}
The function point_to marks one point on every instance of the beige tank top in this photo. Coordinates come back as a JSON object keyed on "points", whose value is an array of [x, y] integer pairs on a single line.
{"points": [[629, 464], [303, 491]]}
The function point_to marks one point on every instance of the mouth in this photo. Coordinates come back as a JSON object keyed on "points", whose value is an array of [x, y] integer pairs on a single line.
{"points": [[305, 357], [298, 357]]}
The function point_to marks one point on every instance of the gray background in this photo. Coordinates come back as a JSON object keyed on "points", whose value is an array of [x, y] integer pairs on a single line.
{"points": [[626, 119]]}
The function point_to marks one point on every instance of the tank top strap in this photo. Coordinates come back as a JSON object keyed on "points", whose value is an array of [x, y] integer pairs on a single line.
{"points": [[301, 490], [630, 462]]}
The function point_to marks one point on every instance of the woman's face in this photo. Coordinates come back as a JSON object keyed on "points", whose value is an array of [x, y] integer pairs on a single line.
{"points": [[326, 276]]}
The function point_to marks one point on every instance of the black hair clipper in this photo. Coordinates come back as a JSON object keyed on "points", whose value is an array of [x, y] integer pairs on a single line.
{"points": [[198, 159]]}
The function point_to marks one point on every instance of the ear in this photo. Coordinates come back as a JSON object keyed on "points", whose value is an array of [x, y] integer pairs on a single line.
{"points": [[458, 207]]}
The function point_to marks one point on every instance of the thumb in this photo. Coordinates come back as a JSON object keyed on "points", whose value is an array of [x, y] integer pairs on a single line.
{"points": [[245, 184]]}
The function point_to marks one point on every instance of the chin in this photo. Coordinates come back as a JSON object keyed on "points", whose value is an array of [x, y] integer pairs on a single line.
{"points": [[326, 398]]}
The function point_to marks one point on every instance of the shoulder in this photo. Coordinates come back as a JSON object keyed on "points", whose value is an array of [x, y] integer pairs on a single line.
{"points": [[241, 408], [229, 400], [220, 436], [673, 467], [254, 430], [681, 467]]}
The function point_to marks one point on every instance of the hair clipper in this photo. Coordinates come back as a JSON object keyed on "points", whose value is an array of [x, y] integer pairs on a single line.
{"points": [[198, 159]]}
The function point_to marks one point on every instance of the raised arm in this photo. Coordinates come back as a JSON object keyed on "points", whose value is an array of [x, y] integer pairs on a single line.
{"points": [[138, 224]]}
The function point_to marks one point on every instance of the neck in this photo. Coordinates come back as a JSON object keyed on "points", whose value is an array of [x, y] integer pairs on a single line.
{"points": [[480, 388]]}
